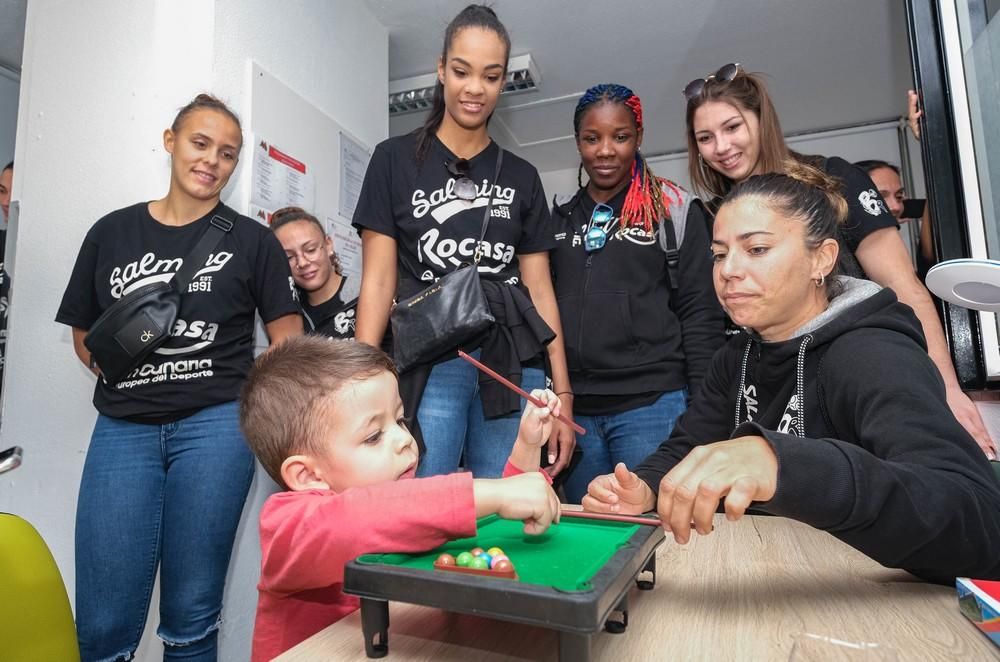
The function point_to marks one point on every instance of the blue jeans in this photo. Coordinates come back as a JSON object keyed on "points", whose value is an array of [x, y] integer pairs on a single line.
{"points": [[451, 419], [626, 437], [158, 495]]}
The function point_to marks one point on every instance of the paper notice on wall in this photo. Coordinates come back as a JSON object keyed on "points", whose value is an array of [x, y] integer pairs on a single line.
{"points": [[280, 180], [260, 214], [347, 243], [353, 164]]}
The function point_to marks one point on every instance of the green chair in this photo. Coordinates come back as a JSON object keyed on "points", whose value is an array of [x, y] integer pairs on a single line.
{"points": [[36, 622]]}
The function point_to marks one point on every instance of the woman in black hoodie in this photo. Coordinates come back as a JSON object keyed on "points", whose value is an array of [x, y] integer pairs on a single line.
{"points": [[828, 407], [640, 321]]}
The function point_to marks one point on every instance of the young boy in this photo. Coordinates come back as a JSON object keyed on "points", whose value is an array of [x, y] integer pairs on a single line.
{"points": [[326, 421]]}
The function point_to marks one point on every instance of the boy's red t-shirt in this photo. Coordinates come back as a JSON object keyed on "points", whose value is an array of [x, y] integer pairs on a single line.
{"points": [[306, 538]]}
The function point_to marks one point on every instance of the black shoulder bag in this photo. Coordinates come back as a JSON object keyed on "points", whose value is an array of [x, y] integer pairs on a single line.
{"points": [[448, 313], [142, 320]]}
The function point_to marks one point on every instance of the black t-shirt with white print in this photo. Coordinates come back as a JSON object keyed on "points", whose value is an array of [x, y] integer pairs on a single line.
{"points": [[435, 230], [211, 351], [335, 317]]}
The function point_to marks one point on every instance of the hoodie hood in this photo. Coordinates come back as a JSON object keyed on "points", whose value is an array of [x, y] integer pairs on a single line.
{"points": [[782, 369]]}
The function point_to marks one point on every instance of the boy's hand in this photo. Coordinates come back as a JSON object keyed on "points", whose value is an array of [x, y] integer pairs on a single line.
{"points": [[621, 492], [536, 425], [536, 422], [527, 497]]}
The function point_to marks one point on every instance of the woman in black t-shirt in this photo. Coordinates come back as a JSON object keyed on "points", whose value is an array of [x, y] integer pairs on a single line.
{"points": [[328, 300], [733, 132], [639, 332], [420, 214], [167, 469]]}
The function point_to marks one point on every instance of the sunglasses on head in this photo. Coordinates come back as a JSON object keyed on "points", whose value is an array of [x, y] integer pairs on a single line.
{"points": [[726, 73], [601, 222], [465, 188]]}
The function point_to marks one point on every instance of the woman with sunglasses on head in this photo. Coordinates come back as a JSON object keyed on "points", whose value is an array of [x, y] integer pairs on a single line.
{"points": [[638, 337], [825, 409], [328, 300], [733, 133], [167, 469], [420, 214]]}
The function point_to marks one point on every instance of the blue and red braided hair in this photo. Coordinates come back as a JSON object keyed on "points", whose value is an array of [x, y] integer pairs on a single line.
{"points": [[646, 200]]}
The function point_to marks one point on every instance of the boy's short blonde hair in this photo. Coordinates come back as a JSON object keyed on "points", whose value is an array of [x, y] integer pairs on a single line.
{"points": [[282, 410]]}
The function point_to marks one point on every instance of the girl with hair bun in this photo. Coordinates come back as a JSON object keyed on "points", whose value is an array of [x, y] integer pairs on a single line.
{"points": [[733, 133], [328, 301], [825, 408], [420, 214], [167, 469], [641, 326]]}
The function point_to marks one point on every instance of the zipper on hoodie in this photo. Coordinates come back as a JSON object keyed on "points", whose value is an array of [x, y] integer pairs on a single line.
{"points": [[586, 286]]}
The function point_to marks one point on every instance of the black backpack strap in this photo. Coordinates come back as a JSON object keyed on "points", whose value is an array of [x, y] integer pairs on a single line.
{"points": [[218, 228]]}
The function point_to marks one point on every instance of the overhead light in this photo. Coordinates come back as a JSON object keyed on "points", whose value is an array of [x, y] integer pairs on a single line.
{"points": [[409, 95]]}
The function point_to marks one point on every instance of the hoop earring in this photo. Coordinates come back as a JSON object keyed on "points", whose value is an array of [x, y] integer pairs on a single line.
{"points": [[820, 281]]}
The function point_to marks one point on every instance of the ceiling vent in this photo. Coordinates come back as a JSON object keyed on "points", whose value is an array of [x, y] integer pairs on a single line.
{"points": [[409, 95]]}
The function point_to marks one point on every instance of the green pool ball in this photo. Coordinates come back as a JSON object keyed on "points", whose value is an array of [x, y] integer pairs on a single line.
{"points": [[479, 563], [464, 559]]}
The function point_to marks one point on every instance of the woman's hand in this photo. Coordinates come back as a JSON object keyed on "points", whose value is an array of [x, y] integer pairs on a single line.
{"points": [[913, 112], [562, 438], [621, 492], [967, 415], [739, 471]]}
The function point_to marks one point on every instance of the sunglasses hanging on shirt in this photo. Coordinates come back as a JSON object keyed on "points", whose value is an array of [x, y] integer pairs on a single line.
{"points": [[726, 73], [602, 219], [465, 188]]}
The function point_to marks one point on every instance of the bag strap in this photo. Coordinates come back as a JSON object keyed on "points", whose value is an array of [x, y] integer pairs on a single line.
{"points": [[218, 228], [478, 254]]}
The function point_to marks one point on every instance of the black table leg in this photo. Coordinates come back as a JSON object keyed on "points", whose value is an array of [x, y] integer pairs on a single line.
{"points": [[574, 647], [650, 567], [618, 627], [375, 626]]}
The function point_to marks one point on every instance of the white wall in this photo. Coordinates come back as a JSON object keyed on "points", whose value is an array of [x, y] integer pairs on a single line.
{"points": [[9, 85], [90, 124]]}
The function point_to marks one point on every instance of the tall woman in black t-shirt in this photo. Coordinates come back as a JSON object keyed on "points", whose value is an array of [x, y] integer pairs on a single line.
{"points": [[420, 214], [327, 302], [733, 132], [638, 337], [167, 469]]}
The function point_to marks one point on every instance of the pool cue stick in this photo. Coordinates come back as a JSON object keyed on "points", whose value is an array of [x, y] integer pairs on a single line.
{"points": [[631, 519], [524, 394]]}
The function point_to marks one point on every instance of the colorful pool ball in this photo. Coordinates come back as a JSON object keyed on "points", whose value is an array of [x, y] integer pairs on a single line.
{"points": [[479, 563], [476, 551], [494, 551], [446, 559], [464, 559], [488, 558], [503, 566], [498, 558]]}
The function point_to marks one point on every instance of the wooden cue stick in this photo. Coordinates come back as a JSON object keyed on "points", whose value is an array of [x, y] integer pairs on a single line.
{"points": [[524, 394]]}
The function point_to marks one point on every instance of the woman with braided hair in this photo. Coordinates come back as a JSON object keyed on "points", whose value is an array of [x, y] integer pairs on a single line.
{"points": [[825, 408], [640, 324]]}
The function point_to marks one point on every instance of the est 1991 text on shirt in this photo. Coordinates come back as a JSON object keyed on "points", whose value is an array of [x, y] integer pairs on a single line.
{"points": [[211, 348]]}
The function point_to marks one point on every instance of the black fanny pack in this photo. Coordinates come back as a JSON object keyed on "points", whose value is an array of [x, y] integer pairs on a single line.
{"points": [[141, 321]]}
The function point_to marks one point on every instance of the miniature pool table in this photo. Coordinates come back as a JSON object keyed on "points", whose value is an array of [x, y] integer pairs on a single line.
{"points": [[570, 579]]}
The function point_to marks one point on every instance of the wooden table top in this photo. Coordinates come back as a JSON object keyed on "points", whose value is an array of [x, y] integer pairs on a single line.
{"points": [[745, 592]]}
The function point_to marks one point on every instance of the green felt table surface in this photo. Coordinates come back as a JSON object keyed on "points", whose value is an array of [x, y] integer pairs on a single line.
{"points": [[565, 557]]}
